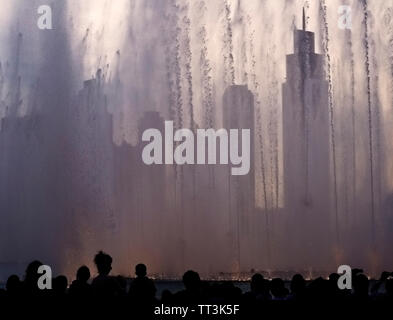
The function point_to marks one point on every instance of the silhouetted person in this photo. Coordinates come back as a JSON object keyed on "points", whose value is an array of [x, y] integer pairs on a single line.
{"points": [[360, 287], [318, 290], [166, 297], [142, 288], [141, 298], [379, 285], [79, 288], [30, 283], [13, 286], [335, 293], [278, 290], [193, 290], [298, 288], [104, 285], [389, 289], [259, 289], [225, 292], [59, 286], [122, 283]]}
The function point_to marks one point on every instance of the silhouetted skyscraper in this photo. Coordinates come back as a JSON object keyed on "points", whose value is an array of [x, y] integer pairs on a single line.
{"points": [[306, 142], [238, 113], [151, 187]]}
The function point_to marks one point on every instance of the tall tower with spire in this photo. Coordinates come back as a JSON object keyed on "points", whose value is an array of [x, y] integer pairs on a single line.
{"points": [[306, 148]]}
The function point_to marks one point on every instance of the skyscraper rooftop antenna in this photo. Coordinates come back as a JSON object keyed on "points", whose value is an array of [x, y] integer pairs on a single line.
{"points": [[304, 19]]}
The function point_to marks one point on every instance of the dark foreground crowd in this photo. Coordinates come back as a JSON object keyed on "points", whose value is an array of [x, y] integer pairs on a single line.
{"points": [[138, 297]]}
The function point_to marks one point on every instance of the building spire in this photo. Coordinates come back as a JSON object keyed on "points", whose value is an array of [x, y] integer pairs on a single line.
{"points": [[304, 19]]}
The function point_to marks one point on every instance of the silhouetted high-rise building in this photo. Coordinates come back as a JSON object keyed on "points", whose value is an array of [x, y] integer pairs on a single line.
{"points": [[151, 186], [306, 141], [238, 113]]}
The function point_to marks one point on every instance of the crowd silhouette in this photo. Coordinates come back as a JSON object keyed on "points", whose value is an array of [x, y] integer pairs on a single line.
{"points": [[139, 295]]}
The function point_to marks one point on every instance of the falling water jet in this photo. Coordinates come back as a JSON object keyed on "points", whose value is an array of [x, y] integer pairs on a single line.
{"points": [[16, 102], [276, 153], [272, 132], [273, 94], [228, 46], [238, 20], [187, 64], [179, 108], [175, 101], [170, 82], [323, 10], [207, 86], [348, 36], [346, 170], [206, 80], [389, 22], [187, 54], [376, 116], [1, 92], [255, 86], [378, 160], [261, 150], [206, 63], [229, 79], [271, 103], [370, 124]]}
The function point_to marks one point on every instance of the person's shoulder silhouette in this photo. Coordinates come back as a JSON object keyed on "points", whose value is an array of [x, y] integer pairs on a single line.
{"points": [[59, 285], [13, 286], [193, 289], [298, 288], [389, 289], [142, 288], [80, 287], [30, 282], [360, 288], [104, 285], [259, 289], [278, 290]]}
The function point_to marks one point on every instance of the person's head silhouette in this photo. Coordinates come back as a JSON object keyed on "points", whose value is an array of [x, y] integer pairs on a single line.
{"points": [[298, 284], [360, 285], [31, 276], [32, 269], [60, 284], [278, 288], [191, 280], [83, 274], [140, 270], [13, 284], [257, 283], [103, 262]]}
